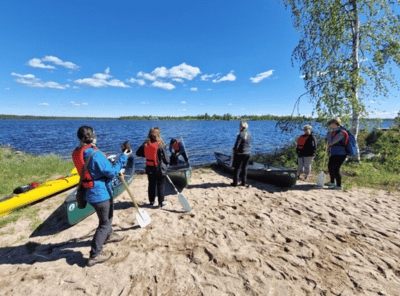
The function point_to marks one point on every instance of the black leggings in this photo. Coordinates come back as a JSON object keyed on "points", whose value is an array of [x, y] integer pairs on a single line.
{"points": [[240, 162], [334, 164], [156, 185]]}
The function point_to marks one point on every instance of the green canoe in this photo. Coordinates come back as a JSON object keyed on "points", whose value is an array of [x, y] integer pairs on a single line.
{"points": [[180, 174], [282, 177], [76, 215]]}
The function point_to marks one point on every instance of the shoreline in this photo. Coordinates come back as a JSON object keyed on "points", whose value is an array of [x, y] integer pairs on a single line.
{"points": [[261, 240]]}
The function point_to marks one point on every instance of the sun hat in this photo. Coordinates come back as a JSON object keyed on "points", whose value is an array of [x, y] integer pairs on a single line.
{"points": [[307, 127], [335, 120]]}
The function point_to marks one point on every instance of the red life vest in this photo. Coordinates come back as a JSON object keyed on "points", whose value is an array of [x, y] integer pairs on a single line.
{"points": [[302, 140], [339, 143], [176, 146], [150, 152], [79, 161]]}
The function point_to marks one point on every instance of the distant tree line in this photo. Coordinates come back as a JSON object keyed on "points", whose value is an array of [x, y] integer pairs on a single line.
{"points": [[206, 116]]}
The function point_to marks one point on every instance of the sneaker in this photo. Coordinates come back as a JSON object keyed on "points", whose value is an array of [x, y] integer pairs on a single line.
{"points": [[152, 203], [114, 238], [163, 205], [337, 187], [103, 257], [330, 184]]}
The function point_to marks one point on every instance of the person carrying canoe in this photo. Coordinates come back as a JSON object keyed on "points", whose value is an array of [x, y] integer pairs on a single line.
{"points": [[177, 148], [306, 147], [337, 142], [97, 181], [155, 152], [241, 154]]}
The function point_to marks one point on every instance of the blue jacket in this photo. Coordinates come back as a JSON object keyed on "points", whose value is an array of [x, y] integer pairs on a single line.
{"points": [[99, 167], [181, 148], [337, 142]]}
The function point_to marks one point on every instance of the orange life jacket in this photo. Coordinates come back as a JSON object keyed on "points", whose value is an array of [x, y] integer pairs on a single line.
{"points": [[150, 152], [302, 140], [339, 143], [79, 161], [176, 146]]}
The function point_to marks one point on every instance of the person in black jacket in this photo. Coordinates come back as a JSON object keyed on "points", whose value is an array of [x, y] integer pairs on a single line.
{"points": [[153, 149], [241, 154], [306, 147]]}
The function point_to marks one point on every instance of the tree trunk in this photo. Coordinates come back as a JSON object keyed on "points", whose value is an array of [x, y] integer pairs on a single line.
{"points": [[355, 124]]}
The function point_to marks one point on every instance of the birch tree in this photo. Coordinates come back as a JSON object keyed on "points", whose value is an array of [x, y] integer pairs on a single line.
{"points": [[346, 52]]}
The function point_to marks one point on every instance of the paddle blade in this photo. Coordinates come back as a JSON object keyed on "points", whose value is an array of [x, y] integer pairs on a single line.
{"points": [[185, 205], [321, 179], [143, 218]]}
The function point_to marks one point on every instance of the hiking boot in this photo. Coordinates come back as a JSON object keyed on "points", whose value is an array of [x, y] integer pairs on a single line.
{"points": [[233, 184], [163, 205], [114, 238], [330, 184], [245, 185], [152, 203], [102, 257], [337, 187]]}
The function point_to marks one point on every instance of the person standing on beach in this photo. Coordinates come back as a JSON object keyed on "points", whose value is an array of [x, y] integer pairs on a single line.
{"points": [[155, 152], [337, 139], [97, 181], [241, 154], [176, 148], [306, 147]]}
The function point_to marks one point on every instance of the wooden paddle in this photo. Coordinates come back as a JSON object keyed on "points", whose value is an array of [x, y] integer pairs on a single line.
{"points": [[321, 176], [184, 203], [142, 216]]}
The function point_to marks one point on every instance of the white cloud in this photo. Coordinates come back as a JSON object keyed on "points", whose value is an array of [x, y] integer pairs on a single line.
{"points": [[194, 89], [144, 103], [72, 102], [183, 109], [7, 88], [31, 81], [206, 77], [44, 104], [261, 76], [75, 87], [302, 76], [69, 80], [373, 101], [100, 80], [59, 62], [177, 73], [37, 63], [147, 76], [183, 102], [208, 89], [85, 104], [230, 104], [229, 77], [141, 82], [163, 85]]}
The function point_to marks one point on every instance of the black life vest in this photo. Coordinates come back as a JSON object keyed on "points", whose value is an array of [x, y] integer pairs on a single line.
{"points": [[302, 140], [150, 152]]}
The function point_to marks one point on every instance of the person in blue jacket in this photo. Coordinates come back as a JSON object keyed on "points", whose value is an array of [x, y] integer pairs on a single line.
{"points": [[337, 141], [177, 148], [99, 192]]}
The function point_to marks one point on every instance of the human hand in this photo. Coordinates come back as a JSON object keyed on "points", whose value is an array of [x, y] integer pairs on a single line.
{"points": [[127, 152]]}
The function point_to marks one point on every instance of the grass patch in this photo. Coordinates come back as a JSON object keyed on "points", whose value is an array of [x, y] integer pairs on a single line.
{"points": [[26, 212], [11, 231], [17, 170], [378, 173]]}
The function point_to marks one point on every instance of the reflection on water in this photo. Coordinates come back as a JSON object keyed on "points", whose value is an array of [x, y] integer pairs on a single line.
{"points": [[202, 138]]}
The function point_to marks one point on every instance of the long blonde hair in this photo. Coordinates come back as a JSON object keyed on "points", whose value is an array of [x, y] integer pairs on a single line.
{"points": [[154, 136]]}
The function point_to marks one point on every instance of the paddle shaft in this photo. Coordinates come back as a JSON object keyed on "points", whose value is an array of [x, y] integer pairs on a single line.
{"points": [[326, 150], [172, 185], [130, 193]]}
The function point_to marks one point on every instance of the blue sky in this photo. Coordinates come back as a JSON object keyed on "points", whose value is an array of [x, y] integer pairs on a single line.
{"points": [[110, 59]]}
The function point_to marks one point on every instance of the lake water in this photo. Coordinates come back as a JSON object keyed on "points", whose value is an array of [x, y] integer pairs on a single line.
{"points": [[202, 138]]}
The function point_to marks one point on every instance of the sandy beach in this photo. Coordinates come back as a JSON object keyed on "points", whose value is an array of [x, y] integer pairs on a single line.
{"points": [[261, 240]]}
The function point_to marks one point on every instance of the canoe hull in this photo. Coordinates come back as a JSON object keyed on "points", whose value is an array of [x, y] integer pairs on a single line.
{"points": [[76, 215], [180, 174], [282, 177], [44, 190]]}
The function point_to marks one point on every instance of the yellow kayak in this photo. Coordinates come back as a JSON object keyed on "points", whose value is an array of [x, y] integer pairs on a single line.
{"points": [[43, 190]]}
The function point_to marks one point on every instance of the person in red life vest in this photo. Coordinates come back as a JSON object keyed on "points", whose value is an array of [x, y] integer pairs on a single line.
{"points": [[97, 181], [155, 152], [337, 139], [241, 154], [306, 147], [176, 148]]}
